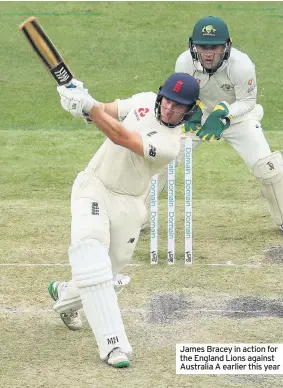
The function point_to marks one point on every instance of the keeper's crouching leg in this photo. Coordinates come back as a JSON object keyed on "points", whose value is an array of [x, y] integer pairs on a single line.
{"points": [[269, 171], [92, 273]]}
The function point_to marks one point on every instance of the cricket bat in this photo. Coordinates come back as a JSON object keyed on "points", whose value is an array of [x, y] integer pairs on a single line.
{"points": [[47, 52]]}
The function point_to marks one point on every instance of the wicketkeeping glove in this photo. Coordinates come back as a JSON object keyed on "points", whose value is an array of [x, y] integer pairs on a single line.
{"points": [[218, 120], [194, 124]]}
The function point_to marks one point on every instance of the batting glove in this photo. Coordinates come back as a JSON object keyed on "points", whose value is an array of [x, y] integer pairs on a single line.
{"points": [[76, 99], [87, 119], [218, 120], [194, 123]]}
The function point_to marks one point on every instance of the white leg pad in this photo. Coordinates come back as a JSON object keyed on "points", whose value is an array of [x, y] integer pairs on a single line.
{"points": [[69, 298], [269, 171], [92, 273]]}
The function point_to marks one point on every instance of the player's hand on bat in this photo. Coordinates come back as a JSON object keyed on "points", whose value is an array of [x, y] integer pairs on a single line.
{"points": [[87, 119], [76, 99], [218, 120]]}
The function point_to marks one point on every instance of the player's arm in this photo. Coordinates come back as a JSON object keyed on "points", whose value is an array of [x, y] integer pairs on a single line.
{"points": [[115, 131], [118, 109], [77, 100], [111, 108], [152, 145], [244, 81]]}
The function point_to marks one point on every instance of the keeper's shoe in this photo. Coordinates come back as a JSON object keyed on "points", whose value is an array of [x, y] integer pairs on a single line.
{"points": [[118, 358], [71, 319]]}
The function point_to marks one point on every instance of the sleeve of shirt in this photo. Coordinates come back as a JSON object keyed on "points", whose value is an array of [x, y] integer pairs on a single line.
{"points": [[244, 81], [160, 150], [183, 63], [128, 104], [124, 107]]}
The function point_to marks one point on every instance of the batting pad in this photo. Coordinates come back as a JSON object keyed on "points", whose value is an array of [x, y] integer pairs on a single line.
{"points": [[270, 172], [92, 273]]}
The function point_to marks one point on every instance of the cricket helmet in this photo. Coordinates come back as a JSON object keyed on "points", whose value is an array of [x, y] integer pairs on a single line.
{"points": [[210, 31], [181, 88]]}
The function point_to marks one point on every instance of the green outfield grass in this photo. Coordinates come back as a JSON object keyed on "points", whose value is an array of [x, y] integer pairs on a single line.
{"points": [[118, 49]]}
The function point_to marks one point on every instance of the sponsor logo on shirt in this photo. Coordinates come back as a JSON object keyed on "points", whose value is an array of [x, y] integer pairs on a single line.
{"points": [[251, 84], [227, 87], [152, 151], [143, 111]]}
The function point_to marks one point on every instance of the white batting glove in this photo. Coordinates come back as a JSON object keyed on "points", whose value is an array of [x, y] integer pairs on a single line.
{"points": [[87, 119], [75, 99]]}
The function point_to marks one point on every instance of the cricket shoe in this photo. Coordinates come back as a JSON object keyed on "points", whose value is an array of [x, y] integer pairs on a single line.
{"points": [[71, 319], [281, 227], [120, 281], [118, 358]]}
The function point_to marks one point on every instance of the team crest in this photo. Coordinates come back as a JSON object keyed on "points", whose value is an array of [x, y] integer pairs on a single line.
{"points": [[227, 87], [208, 30]]}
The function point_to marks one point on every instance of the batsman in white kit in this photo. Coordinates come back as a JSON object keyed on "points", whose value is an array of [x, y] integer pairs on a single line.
{"points": [[228, 108], [106, 202]]}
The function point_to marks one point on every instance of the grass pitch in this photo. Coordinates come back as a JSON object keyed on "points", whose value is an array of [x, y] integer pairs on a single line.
{"points": [[233, 291]]}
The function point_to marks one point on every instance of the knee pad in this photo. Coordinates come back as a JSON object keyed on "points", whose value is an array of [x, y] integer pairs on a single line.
{"points": [[90, 263], [269, 171]]}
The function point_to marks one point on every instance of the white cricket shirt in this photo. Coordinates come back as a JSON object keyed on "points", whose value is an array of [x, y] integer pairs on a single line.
{"points": [[123, 171], [234, 82]]}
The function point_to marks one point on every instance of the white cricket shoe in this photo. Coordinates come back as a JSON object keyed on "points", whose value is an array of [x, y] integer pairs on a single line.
{"points": [[118, 358], [71, 319], [281, 227], [120, 281]]}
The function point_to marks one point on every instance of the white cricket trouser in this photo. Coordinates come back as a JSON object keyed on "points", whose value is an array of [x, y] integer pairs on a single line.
{"points": [[112, 219]]}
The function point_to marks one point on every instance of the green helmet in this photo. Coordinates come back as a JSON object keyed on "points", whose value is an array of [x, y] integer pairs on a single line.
{"points": [[210, 30]]}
